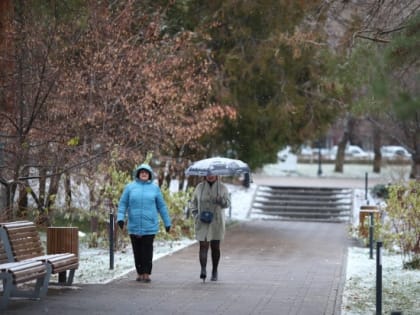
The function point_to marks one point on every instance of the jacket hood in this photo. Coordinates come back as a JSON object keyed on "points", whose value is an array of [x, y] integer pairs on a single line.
{"points": [[144, 167]]}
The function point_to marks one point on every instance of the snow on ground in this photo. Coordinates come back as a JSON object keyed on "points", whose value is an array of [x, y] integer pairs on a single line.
{"points": [[401, 288], [94, 266]]}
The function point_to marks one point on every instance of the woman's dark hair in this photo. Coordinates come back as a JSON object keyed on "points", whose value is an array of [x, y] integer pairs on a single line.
{"points": [[144, 169]]}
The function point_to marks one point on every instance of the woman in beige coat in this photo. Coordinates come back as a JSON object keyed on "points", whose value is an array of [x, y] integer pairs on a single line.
{"points": [[210, 195]]}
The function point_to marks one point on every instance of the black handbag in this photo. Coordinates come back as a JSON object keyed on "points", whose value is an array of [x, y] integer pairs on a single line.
{"points": [[206, 216]]}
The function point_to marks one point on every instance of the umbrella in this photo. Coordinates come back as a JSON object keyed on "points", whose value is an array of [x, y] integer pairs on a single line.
{"points": [[217, 166]]}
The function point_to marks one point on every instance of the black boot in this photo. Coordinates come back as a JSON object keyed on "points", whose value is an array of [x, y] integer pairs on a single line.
{"points": [[213, 275], [203, 274], [215, 257], [203, 260]]}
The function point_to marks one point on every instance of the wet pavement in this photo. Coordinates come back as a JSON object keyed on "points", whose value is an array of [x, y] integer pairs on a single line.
{"points": [[267, 267]]}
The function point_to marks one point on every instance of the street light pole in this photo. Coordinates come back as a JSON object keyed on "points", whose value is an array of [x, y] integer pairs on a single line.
{"points": [[319, 159]]}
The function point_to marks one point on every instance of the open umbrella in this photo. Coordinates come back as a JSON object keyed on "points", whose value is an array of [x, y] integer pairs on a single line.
{"points": [[219, 166]]}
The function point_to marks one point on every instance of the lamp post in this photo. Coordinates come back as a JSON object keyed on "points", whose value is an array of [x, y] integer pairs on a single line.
{"points": [[319, 158]]}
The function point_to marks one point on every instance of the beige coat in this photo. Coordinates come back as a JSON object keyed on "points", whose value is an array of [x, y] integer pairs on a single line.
{"points": [[204, 198]]}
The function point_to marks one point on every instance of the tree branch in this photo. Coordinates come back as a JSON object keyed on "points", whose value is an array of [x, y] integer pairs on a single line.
{"points": [[375, 39]]}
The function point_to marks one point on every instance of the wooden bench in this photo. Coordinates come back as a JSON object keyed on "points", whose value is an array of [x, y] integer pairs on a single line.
{"points": [[25, 244], [12, 275]]}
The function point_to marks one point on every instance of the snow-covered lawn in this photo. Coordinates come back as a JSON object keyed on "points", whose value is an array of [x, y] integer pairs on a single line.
{"points": [[400, 288]]}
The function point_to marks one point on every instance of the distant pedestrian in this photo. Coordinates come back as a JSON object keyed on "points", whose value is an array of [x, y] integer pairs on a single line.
{"points": [[209, 200], [142, 201]]}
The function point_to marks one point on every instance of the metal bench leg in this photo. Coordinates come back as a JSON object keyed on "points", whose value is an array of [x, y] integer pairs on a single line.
{"points": [[7, 290], [62, 277], [70, 277], [42, 283]]}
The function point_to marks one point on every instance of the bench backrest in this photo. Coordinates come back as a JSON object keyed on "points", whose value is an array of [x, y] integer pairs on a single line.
{"points": [[24, 240], [3, 255]]}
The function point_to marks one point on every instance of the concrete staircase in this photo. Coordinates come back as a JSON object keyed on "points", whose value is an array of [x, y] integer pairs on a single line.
{"points": [[302, 203]]}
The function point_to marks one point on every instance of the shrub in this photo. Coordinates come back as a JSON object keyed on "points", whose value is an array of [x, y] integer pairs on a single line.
{"points": [[403, 225], [177, 203], [380, 191]]}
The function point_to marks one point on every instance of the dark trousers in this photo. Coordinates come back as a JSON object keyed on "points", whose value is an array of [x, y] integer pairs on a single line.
{"points": [[143, 252]]}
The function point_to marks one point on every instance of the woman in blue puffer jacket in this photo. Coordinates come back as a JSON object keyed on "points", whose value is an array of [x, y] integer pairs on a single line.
{"points": [[142, 201]]}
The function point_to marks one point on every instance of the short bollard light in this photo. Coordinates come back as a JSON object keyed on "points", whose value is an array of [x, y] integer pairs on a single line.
{"points": [[111, 240], [378, 278], [366, 188], [111, 234]]}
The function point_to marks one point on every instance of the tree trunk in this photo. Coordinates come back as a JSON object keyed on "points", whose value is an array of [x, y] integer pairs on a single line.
{"points": [[377, 159], [67, 190], [22, 210], [339, 159], [415, 166], [42, 185], [341, 147], [6, 210], [52, 191], [94, 220]]}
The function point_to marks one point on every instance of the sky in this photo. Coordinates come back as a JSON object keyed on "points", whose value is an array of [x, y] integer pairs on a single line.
{"points": [[401, 288]]}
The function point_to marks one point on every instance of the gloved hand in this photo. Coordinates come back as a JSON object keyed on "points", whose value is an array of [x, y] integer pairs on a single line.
{"points": [[121, 224], [220, 201], [168, 229]]}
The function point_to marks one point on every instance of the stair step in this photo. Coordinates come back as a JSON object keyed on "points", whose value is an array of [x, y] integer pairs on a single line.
{"points": [[309, 203], [301, 209], [328, 220], [306, 215], [303, 203], [303, 190], [301, 197]]}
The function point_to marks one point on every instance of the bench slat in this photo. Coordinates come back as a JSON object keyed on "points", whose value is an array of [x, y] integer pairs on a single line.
{"points": [[59, 269], [17, 224], [24, 271], [26, 275], [16, 266]]}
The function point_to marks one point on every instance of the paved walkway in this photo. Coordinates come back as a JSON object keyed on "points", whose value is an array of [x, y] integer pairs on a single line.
{"points": [[267, 267]]}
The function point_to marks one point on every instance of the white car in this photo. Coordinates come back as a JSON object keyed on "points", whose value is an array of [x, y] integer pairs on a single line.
{"points": [[394, 152], [352, 151], [356, 152], [306, 151]]}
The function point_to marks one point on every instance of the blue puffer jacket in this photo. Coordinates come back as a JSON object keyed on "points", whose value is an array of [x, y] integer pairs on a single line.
{"points": [[141, 201]]}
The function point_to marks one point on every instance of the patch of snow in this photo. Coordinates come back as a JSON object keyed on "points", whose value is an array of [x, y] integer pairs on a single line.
{"points": [[94, 263]]}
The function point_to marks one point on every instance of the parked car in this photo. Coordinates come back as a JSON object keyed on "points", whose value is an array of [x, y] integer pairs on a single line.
{"points": [[395, 152], [306, 151], [357, 152], [352, 152]]}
